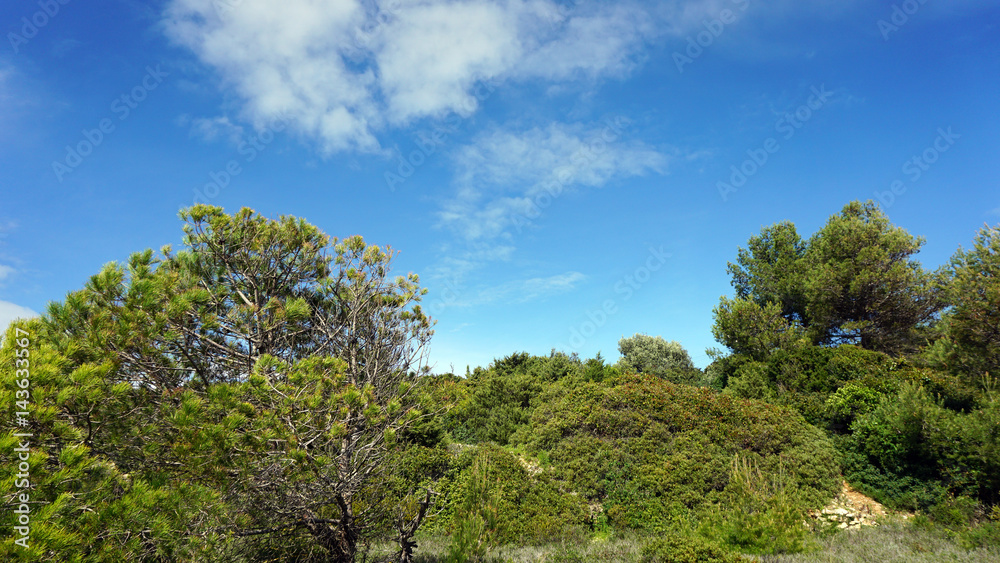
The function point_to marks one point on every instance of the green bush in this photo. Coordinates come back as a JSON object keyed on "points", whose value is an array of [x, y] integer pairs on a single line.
{"points": [[762, 512], [751, 382], [652, 453], [499, 400], [954, 511], [804, 378], [687, 549], [642, 353], [851, 400], [911, 450], [523, 509]]}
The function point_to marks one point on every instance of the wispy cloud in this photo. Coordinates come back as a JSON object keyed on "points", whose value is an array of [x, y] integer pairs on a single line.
{"points": [[5, 271], [212, 128], [523, 290], [505, 175], [534, 288]]}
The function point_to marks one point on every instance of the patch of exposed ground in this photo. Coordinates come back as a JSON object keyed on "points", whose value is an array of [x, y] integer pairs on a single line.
{"points": [[851, 510]]}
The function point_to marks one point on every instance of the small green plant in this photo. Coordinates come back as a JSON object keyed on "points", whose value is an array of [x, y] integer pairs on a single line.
{"points": [[954, 511], [763, 517], [687, 549], [477, 523], [852, 400]]}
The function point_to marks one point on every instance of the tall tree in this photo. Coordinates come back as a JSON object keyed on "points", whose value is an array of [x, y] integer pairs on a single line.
{"points": [[862, 285], [770, 270], [973, 289], [265, 359], [756, 331], [854, 281]]}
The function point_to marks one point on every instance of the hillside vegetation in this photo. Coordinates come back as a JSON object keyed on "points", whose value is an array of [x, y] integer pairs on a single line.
{"points": [[260, 395]]}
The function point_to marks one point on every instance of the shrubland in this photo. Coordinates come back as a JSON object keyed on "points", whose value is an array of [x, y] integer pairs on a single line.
{"points": [[260, 395]]}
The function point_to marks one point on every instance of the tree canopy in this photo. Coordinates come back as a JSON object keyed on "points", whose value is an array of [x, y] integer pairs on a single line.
{"points": [[654, 355], [265, 363], [853, 281]]}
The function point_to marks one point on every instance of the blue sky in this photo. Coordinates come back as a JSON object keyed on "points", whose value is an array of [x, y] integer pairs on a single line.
{"points": [[560, 174]]}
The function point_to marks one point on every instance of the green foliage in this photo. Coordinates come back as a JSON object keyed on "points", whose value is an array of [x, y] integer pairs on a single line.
{"points": [[972, 335], [911, 451], [477, 524], [754, 330], [853, 281], [258, 396], [830, 386], [751, 382], [861, 284], [83, 506], [642, 353], [673, 548], [770, 269], [762, 512], [595, 369], [438, 393], [686, 376], [852, 400], [490, 498], [652, 452], [499, 400], [954, 511], [253, 383]]}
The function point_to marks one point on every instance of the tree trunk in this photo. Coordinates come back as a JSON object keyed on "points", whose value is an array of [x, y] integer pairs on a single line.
{"points": [[339, 537]]}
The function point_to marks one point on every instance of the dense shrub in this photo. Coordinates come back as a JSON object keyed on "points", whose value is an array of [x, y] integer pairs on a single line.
{"points": [[751, 381], [674, 548], [652, 452], [910, 451], [652, 354], [523, 509], [498, 400], [851, 400], [761, 511]]}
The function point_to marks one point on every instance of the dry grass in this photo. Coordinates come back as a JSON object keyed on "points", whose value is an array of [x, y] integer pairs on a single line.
{"points": [[623, 548], [892, 542]]}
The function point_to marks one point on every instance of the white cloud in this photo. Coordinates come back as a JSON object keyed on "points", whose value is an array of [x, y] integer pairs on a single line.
{"points": [[344, 70], [506, 179], [536, 287], [430, 56], [289, 58], [602, 39], [212, 128], [519, 291], [9, 311], [506, 176], [5, 271]]}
